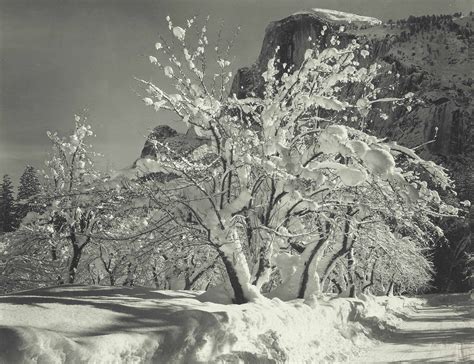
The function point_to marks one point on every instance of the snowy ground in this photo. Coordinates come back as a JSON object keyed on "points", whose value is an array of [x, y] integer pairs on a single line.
{"points": [[440, 332], [84, 324]]}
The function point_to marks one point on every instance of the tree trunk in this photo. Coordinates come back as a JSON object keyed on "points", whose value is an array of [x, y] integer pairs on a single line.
{"points": [[155, 277], [264, 267], [54, 255], [390, 289], [187, 283], [332, 264], [112, 279], [239, 296], [337, 285], [351, 273], [76, 257], [129, 280], [91, 274], [346, 246], [366, 288], [307, 265]]}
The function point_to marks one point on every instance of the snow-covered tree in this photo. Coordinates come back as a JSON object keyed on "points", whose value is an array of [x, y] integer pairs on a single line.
{"points": [[286, 180], [75, 202], [73, 208], [158, 249]]}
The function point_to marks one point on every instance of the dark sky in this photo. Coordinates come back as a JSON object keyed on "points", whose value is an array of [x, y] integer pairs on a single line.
{"points": [[58, 57]]}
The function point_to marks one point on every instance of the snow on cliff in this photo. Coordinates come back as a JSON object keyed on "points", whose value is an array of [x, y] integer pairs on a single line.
{"points": [[335, 16], [95, 324]]}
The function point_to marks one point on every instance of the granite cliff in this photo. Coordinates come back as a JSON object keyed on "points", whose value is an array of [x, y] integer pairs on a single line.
{"points": [[425, 55]]}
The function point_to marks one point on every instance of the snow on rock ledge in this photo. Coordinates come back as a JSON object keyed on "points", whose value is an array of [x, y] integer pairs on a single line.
{"points": [[80, 324], [341, 17]]}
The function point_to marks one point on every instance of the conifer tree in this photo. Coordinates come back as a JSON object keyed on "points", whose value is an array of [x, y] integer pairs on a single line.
{"points": [[29, 188], [7, 205]]}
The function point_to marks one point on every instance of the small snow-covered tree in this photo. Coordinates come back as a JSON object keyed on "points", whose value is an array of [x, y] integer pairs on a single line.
{"points": [[285, 180], [74, 205]]}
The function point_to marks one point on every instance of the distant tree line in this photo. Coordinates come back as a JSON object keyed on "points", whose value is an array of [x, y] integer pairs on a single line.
{"points": [[418, 24]]}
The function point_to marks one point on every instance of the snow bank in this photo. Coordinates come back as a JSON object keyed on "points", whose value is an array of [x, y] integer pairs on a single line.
{"points": [[382, 314], [136, 325]]}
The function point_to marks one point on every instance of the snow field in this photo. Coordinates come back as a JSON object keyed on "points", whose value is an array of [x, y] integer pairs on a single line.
{"points": [[79, 324]]}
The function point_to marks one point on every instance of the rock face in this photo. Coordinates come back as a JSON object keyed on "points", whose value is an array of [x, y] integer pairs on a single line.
{"points": [[162, 140], [182, 144], [426, 55], [292, 36], [160, 133]]}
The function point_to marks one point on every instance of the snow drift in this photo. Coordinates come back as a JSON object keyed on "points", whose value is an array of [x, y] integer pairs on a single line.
{"points": [[84, 324]]}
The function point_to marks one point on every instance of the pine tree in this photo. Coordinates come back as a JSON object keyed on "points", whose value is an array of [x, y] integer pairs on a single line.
{"points": [[7, 206], [29, 188]]}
